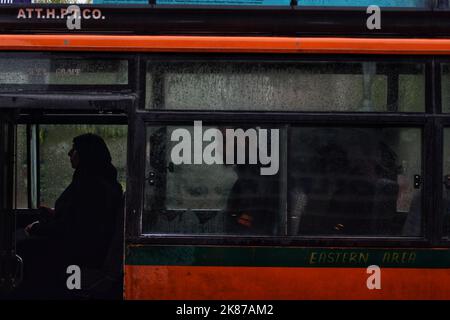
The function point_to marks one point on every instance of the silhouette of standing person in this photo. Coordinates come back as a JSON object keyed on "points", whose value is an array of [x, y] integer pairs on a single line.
{"points": [[81, 228]]}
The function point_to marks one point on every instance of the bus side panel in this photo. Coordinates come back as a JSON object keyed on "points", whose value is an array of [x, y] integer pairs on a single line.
{"points": [[256, 283], [243, 273]]}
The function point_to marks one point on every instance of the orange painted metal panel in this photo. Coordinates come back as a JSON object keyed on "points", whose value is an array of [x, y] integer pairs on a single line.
{"points": [[269, 283], [130, 43]]}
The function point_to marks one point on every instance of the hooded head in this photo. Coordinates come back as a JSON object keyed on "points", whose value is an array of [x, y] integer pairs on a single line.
{"points": [[90, 156]]}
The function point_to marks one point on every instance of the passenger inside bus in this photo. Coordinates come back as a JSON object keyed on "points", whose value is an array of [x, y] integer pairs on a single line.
{"points": [[215, 199], [345, 182], [253, 202], [83, 228], [338, 181]]}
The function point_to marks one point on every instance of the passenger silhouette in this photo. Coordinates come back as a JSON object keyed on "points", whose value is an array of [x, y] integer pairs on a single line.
{"points": [[252, 205], [81, 229]]}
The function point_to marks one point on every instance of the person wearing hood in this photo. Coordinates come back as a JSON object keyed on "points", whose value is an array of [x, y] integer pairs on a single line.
{"points": [[81, 227]]}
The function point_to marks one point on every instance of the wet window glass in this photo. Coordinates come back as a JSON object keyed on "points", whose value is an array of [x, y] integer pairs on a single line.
{"points": [[21, 168], [355, 181], [282, 181], [284, 86], [55, 144], [445, 87], [46, 71], [199, 189]]}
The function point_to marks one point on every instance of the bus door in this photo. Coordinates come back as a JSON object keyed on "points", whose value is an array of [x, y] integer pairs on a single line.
{"points": [[57, 97], [10, 263], [44, 139]]}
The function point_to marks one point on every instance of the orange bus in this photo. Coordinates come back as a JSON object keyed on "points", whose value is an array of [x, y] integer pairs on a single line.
{"points": [[355, 118]]}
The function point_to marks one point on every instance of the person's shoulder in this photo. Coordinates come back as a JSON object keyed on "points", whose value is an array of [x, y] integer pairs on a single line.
{"points": [[98, 184], [88, 184]]}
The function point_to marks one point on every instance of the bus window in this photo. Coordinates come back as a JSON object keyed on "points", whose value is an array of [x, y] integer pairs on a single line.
{"points": [[411, 93], [43, 168], [220, 197], [334, 181], [58, 71], [55, 141], [354, 181], [22, 168], [286, 86]]}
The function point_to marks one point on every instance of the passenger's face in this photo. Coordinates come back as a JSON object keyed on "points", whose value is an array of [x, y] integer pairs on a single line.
{"points": [[74, 158]]}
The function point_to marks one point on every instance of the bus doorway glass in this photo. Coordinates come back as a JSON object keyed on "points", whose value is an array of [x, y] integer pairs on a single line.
{"points": [[79, 235], [73, 189]]}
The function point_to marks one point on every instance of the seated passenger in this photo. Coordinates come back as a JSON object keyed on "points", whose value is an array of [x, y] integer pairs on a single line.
{"points": [[81, 228], [346, 184], [366, 200], [252, 206]]}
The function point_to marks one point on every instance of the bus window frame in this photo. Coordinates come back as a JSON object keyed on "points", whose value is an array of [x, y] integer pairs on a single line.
{"points": [[278, 58], [138, 117], [55, 88], [442, 124], [144, 117], [86, 104], [346, 120], [34, 119]]}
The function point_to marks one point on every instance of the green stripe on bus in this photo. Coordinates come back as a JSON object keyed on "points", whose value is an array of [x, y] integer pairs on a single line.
{"points": [[286, 257]]}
